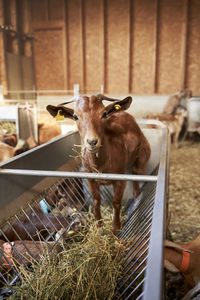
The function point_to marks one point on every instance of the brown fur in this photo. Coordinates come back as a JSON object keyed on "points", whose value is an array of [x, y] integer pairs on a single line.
{"points": [[36, 226], [174, 101], [47, 131], [23, 252], [72, 191], [7, 151], [112, 142], [174, 122], [173, 257]]}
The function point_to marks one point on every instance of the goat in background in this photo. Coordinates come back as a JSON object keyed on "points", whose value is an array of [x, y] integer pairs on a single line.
{"points": [[112, 142]]}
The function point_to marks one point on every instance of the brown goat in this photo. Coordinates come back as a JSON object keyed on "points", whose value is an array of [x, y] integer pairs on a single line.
{"points": [[46, 132], [176, 124], [112, 142], [174, 101], [39, 222], [7, 151], [37, 226], [10, 139], [20, 252], [184, 259]]}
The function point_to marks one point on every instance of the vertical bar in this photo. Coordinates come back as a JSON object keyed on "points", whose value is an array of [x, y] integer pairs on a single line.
{"points": [[156, 41], [184, 44], [154, 271], [82, 16], [104, 43], [67, 43], [130, 44], [64, 46]]}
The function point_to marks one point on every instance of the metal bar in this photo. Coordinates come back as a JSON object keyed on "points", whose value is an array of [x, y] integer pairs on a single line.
{"points": [[154, 271], [105, 176]]}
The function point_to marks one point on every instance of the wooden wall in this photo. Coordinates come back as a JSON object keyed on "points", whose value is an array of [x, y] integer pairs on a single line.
{"points": [[129, 46]]}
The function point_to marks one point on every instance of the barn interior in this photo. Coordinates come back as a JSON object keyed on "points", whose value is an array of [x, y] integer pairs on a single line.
{"points": [[54, 50]]}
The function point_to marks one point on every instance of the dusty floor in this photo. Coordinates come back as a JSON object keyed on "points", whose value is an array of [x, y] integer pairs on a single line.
{"points": [[184, 204], [184, 201]]}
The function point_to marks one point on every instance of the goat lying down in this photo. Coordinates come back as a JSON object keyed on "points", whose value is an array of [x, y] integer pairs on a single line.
{"points": [[112, 142]]}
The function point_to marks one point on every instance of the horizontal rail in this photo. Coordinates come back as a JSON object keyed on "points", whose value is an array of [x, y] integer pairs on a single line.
{"points": [[105, 176], [38, 91]]}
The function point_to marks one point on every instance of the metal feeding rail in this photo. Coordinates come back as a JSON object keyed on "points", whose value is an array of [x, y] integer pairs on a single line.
{"points": [[27, 182]]}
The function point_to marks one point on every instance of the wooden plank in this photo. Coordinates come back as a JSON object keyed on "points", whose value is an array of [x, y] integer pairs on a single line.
{"points": [[74, 16], [144, 46], [48, 25], [117, 46], [55, 10], [155, 54], [66, 31], [193, 67], [2, 54], [38, 10], [94, 45], [49, 60], [169, 48], [82, 41], [184, 39], [131, 37]]}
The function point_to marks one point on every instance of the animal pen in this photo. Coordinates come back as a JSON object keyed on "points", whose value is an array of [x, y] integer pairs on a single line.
{"points": [[51, 171]]}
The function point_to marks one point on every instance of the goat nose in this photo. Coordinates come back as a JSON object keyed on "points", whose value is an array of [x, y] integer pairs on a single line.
{"points": [[92, 142]]}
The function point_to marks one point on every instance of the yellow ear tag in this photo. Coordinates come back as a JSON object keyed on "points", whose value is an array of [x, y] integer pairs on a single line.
{"points": [[117, 106], [59, 117]]}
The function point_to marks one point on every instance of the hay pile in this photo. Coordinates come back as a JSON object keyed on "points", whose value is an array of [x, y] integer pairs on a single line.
{"points": [[9, 127], [84, 269]]}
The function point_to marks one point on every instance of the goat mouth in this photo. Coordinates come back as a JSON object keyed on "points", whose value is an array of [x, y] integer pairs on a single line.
{"points": [[93, 149]]}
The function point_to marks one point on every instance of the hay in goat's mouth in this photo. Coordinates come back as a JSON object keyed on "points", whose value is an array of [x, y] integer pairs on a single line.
{"points": [[87, 269]]}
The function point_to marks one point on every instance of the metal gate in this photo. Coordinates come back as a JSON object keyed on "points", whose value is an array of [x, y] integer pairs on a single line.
{"points": [[27, 183]]}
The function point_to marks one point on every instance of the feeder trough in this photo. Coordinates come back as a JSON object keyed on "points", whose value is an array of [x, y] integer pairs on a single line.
{"points": [[50, 172]]}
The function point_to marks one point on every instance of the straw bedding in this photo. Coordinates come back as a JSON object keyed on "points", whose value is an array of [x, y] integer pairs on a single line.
{"points": [[184, 204]]}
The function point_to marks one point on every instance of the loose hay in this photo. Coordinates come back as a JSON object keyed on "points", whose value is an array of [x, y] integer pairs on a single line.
{"points": [[84, 269], [184, 205], [9, 127]]}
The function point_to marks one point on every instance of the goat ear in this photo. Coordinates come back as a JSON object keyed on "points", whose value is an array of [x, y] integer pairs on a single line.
{"points": [[63, 111], [119, 105]]}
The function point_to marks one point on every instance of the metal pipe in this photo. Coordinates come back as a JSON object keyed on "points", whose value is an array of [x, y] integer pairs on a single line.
{"points": [[105, 176]]}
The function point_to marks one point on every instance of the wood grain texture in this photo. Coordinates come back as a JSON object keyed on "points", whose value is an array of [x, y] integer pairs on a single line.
{"points": [[48, 49], [117, 46], [93, 45], [75, 46], [193, 67], [143, 40], [171, 20]]}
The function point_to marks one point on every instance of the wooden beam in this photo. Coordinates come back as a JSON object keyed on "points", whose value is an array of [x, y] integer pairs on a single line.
{"points": [[130, 45], [66, 32], [2, 48], [103, 43], [184, 45], [48, 25], [156, 45], [82, 16]]}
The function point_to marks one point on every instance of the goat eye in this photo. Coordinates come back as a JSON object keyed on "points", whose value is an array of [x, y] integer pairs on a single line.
{"points": [[75, 117], [104, 115]]}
